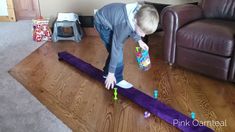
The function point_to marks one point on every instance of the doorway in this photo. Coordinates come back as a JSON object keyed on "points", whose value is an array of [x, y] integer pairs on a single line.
{"points": [[7, 11], [26, 9]]}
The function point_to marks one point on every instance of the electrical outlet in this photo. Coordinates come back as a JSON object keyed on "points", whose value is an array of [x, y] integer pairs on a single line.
{"points": [[95, 10]]}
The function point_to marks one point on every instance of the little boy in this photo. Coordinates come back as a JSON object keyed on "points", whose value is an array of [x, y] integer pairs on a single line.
{"points": [[115, 23]]}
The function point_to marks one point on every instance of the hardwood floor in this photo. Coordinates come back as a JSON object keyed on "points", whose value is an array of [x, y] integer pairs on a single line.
{"points": [[86, 106]]}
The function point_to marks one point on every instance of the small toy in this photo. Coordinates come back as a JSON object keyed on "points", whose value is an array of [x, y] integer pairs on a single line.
{"points": [[115, 94], [193, 115], [137, 49], [155, 94], [146, 114], [142, 58]]}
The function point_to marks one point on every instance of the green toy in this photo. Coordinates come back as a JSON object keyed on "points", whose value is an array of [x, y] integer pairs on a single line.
{"points": [[137, 49], [115, 94]]}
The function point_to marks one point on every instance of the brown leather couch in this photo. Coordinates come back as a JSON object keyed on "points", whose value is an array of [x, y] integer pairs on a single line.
{"points": [[201, 37]]}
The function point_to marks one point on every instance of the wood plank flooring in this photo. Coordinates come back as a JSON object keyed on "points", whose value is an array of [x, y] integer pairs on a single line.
{"points": [[86, 106]]}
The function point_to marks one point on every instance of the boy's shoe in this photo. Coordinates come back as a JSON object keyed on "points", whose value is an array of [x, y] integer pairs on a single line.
{"points": [[124, 84]]}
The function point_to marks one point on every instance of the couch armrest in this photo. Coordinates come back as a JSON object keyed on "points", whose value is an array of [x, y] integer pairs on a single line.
{"points": [[231, 76], [173, 18]]}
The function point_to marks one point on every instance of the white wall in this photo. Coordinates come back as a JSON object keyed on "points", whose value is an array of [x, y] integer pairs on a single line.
{"points": [[50, 8], [3, 8]]}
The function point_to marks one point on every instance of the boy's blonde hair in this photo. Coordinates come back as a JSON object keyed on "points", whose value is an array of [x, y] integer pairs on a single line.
{"points": [[147, 19]]}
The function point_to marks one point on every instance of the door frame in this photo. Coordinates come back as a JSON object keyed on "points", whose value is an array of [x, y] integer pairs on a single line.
{"points": [[11, 12]]}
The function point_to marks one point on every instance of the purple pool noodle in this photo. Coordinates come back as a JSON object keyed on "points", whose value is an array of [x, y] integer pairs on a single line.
{"points": [[152, 105]]}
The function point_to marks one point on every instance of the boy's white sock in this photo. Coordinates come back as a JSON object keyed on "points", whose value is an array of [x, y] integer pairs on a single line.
{"points": [[124, 84]]}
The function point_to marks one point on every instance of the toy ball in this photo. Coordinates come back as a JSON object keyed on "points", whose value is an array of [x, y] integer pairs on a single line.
{"points": [[146, 114]]}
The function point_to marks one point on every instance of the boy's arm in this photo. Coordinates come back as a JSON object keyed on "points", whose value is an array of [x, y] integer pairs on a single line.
{"points": [[115, 53], [135, 37], [138, 39], [117, 46]]}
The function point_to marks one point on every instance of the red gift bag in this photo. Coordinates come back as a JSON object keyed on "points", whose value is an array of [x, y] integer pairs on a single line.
{"points": [[41, 30]]}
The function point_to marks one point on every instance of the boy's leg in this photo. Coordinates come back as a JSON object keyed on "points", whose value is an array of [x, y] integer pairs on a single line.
{"points": [[106, 66], [106, 35], [119, 74]]}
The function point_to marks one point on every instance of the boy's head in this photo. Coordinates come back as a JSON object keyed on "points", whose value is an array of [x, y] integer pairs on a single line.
{"points": [[147, 19]]}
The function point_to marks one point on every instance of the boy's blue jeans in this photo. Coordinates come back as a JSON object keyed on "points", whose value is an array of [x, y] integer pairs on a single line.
{"points": [[106, 35]]}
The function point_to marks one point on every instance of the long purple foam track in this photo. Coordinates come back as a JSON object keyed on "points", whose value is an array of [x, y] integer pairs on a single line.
{"points": [[152, 105]]}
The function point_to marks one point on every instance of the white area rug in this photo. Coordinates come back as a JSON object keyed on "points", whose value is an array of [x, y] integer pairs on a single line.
{"points": [[19, 110]]}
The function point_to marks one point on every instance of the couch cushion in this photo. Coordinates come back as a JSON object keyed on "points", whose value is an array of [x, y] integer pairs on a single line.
{"points": [[208, 35], [208, 64], [219, 9]]}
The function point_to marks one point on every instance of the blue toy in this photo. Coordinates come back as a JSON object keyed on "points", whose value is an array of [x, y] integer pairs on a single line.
{"points": [[193, 115], [155, 94]]}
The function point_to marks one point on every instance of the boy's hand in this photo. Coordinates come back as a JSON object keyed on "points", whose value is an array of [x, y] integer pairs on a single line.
{"points": [[110, 81], [143, 45]]}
